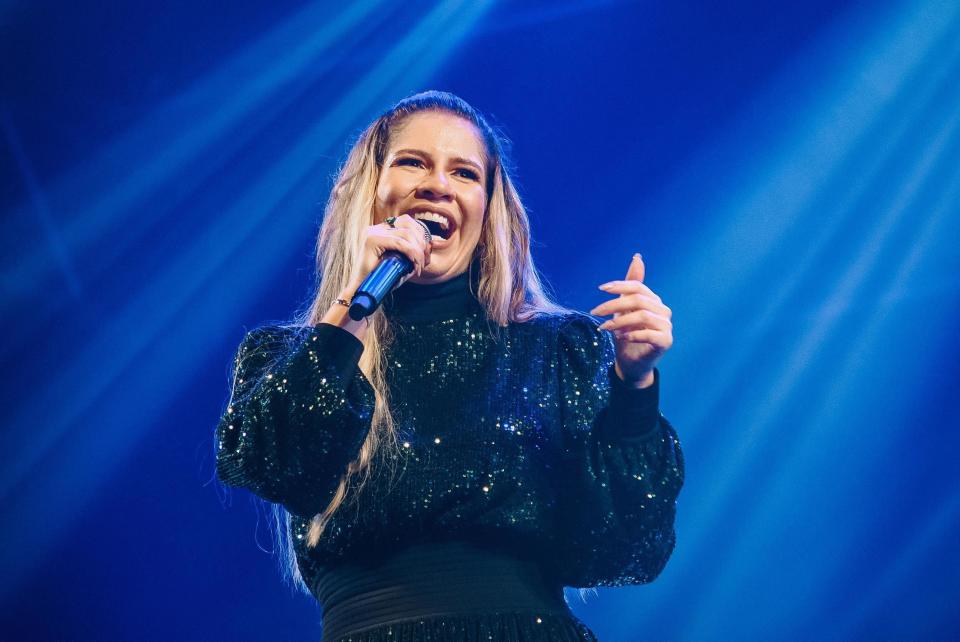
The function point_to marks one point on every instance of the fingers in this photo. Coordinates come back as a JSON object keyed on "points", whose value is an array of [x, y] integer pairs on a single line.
{"points": [[403, 245], [416, 233], [405, 236], [628, 287], [637, 269], [658, 339], [630, 302], [639, 317], [637, 320]]}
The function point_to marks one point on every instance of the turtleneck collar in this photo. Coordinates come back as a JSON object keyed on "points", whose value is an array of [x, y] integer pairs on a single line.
{"points": [[433, 302]]}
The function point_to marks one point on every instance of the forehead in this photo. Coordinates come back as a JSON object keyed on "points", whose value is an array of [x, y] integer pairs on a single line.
{"points": [[439, 133]]}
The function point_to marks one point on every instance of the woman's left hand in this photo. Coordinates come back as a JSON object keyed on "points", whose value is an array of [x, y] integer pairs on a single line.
{"points": [[641, 325]]}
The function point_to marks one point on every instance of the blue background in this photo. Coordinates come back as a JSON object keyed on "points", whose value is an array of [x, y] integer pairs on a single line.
{"points": [[789, 172]]}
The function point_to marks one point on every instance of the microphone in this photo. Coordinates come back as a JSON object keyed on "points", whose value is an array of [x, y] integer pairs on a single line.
{"points": [[391, 269]]}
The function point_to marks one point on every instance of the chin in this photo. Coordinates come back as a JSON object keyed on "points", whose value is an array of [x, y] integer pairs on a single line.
{"points": [[437, 274], [429, 277]]}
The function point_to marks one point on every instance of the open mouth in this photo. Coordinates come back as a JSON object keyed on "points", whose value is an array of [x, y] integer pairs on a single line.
{"points": [[438, 224], [436, 229]]}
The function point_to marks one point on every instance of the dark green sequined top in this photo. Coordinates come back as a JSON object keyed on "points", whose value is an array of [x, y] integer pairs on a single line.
{"points": [[519, 442]]}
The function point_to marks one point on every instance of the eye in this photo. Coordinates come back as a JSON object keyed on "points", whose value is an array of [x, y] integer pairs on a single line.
{"points": [[469, 174], [409, 161]]}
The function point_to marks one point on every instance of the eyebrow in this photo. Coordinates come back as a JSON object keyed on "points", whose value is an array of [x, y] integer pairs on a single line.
{"points": [[456, 159]]}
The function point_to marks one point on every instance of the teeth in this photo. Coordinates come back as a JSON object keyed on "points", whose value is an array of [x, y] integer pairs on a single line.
{"points": [[432, 216]]}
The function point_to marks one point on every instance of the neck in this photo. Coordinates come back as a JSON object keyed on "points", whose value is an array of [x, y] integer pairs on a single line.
{"points": [[432, 301]]}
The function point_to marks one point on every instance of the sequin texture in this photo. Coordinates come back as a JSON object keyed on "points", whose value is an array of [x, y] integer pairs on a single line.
{"points": [[520, 438]]}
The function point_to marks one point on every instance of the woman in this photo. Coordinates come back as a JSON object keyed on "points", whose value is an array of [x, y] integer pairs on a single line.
{"points": [[449, 464]]}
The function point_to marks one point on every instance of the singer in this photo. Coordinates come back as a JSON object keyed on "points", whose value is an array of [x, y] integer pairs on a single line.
{"points": [[445, 466]]}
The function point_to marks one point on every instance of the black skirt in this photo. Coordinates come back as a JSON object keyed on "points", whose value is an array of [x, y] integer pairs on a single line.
{"points": [[445, 592]]}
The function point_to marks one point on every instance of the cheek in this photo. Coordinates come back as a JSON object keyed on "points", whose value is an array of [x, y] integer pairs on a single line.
{"points": [[476, 209], [392, 185], [384, 198], [474, 227], [480, 213], [383, 191]]}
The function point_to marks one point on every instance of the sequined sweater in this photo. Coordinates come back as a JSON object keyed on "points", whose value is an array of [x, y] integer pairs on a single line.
{"points": [[518, 438]]}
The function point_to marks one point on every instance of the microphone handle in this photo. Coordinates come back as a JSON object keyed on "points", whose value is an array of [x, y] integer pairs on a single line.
{"points": [[393, 266]]}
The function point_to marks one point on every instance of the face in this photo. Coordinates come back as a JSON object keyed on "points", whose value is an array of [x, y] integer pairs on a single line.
{"points": [[434, 170]]}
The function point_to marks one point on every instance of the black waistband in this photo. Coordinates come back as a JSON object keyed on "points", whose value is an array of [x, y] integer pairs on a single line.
{"points": [[432, 580]]}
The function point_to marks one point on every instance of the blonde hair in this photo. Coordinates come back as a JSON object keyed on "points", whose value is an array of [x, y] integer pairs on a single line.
{"points": [[509, 287]]}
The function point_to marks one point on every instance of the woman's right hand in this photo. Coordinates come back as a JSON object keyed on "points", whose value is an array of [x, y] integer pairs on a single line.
{"points": [[407, 237]]}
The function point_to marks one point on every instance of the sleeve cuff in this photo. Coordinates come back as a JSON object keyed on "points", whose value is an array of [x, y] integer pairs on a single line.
{"points": [[634, 412], [338, 347]]}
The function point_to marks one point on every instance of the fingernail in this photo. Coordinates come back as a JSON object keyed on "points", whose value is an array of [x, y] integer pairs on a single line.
{"points": [[637, 256], [605, 286]]}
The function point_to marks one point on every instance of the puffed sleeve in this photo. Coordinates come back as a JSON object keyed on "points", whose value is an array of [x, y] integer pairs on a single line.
{"points": [[298, 413], [621, 469]]}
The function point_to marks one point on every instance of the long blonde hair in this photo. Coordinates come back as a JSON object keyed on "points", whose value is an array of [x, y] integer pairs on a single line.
{"points": [[509, 288]]}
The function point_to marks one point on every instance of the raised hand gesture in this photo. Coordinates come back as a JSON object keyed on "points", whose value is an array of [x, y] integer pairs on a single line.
{"points": [[641, 325]]}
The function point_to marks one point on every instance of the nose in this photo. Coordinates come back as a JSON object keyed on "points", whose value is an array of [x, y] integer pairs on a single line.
{"points": [[435, 186]]}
